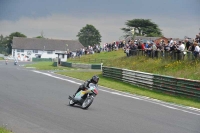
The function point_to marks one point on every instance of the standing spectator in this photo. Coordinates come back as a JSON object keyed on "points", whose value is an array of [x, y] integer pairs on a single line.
{"points": [[197, 39], [181, 47], [154, 48], [142, 46], [173, 46], [171, 41], [133, 48], [146, 44], [83, 51], [192, 47], [196, 50], [149, 49], [180, 50], [187, 44], [127, 48]]}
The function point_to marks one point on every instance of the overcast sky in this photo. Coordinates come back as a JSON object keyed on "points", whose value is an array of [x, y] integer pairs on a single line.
{"points": [[63, 19]]}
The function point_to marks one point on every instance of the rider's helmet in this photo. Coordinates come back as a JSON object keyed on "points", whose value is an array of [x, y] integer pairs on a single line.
{"points": [[95, 79]]}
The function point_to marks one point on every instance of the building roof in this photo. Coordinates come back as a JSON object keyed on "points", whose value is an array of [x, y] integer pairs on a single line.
{"points": [[145, 38], [45, 44]]}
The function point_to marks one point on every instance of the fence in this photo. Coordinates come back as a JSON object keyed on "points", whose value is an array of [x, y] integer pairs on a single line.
{"points": [[93, 60], [41, 59], [173, 55], [167, 84], [80, 65]]}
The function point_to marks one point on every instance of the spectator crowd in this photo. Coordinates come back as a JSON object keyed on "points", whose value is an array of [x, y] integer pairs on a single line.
{"points": [[149, 47]]}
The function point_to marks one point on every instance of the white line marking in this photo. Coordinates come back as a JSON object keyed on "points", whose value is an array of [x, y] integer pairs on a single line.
{"points": [[142, 98]]}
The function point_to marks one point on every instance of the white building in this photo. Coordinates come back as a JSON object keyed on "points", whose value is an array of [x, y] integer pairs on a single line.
{"points": [[25, 49]]}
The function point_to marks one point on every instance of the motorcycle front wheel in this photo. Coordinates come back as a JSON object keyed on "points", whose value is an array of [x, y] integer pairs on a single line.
{"points": [[88, 101], [71, 102]]}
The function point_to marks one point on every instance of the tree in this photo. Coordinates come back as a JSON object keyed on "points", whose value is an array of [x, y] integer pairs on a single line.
{"points": [[3, 46], [142, 27], [39, 37], [89, 35], [10, 38]]}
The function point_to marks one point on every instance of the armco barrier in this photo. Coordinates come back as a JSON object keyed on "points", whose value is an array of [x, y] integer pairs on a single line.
{"points": [[55, 64], [80, 65], [95, 66], [41, 59], [83, 66], [167, 84], [138, 78], [112, 73], [66, 64]]}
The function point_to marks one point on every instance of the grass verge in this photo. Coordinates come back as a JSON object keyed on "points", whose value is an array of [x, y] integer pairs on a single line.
{"points": [[125, 87], [4, 130], [188, 69], [1, 58], [47, 66], [97, 58]]}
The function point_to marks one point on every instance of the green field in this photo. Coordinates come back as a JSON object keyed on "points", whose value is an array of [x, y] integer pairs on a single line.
{"points": [[1, 58]]}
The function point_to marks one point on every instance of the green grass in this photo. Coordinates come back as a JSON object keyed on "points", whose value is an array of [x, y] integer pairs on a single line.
{"points": [[181, 69], [97, 57], [47, 66], [1, 58], [117, 85], [4, 130]]}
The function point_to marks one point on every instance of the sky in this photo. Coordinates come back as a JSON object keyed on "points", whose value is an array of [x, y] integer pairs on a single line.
{"points": [[63, 19]]}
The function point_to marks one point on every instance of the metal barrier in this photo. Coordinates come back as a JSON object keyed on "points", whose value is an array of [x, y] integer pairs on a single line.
{"points": [[81, 65], [41, 59], [167, 84], [172, 55]]}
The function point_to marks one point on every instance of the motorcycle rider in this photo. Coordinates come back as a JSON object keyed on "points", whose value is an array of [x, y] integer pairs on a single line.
{"points": [[85, 85], [6, 61], [15, 63]]}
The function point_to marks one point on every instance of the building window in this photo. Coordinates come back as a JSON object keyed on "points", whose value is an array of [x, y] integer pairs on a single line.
{"points": [[20, 50], [35, 51], [49, 52]]}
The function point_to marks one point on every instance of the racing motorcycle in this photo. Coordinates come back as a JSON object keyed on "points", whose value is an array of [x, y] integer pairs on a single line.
{"points": [[84, 98], [15, 63]]}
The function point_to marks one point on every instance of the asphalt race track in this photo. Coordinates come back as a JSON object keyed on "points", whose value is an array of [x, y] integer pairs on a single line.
{"points": [[34, 101]]}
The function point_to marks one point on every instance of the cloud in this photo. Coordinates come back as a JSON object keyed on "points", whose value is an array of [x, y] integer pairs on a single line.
{"points": [[61, 26]]}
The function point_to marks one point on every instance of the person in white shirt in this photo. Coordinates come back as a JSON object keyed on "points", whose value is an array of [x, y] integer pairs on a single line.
{"points": [[181, 47], [171, 41]]}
